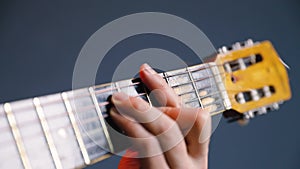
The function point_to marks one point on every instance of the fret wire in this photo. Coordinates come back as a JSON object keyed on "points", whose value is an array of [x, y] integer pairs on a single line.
{"points": [[17, 136], [195, 88], [117, 86], [165, 77], [75, 128], [45, 127], [100, 115], [98, 92], [148, 98]]}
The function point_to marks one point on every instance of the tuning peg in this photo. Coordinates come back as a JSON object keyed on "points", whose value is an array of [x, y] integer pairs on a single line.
{"points": [[236, 46], [223, 50], [243, 119], [262, 110], [249, 115], [274, 106], [248, 43]]}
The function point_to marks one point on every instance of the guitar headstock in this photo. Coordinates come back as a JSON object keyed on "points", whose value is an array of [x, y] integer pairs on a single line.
{"points": [[254, 76]]}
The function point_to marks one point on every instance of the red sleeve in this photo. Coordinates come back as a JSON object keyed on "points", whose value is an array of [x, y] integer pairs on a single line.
{"points": [[128, 161]]}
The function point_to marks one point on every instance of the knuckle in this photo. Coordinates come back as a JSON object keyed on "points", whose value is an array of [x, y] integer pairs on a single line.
{"points": [[163, 127]]}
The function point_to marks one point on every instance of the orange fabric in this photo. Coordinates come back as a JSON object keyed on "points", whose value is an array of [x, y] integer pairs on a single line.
{"points": [[128, 161]]}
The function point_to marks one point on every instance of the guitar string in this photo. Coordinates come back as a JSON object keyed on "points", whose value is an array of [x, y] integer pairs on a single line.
{"points": [[131, 85], [86, 133], [101, 104], [115, 88], [206, 66], [106, 103], [54, 129], [25, 124], [107, 90]]}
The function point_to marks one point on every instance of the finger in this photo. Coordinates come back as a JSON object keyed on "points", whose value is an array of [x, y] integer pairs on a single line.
{"points": [[161, 90], [158, 124], [196, 127], [144, 143]]}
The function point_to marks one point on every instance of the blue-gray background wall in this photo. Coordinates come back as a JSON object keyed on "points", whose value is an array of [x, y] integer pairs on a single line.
{"points": [[40, 40]]}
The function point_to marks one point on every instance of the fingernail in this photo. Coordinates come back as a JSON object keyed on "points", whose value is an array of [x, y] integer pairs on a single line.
{"points": [[119, 97], [148, 69], [140, 104], [113, 111]]}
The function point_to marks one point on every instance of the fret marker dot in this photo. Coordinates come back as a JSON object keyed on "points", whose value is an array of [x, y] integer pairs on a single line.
{"points": [[62, 132], [203, 93]]}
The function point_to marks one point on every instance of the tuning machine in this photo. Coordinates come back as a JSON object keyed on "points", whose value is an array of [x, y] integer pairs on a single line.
{"points": [[257, 112], [243, 119], [236, 46]]}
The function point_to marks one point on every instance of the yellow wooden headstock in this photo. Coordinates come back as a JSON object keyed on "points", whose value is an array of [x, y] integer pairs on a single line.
{"points": [[254, 77]]}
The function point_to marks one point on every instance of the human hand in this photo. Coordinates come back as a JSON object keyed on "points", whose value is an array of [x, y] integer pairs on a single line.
{"points": [[170, 136]]}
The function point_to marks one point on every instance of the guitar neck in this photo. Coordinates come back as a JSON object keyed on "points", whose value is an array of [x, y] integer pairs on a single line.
{"points": [[70, 129]]}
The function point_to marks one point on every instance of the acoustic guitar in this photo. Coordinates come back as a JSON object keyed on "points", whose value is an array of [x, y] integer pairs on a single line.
{"points": [[73, 129]]}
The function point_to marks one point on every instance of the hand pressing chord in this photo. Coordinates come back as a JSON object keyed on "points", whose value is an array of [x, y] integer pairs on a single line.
{"points": [[169, 136]]}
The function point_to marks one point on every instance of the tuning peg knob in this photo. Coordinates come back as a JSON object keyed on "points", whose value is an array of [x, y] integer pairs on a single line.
{"points": [[274, 106], [248, 43], [249, 115], [236, 46], [263, 110], [223, 50]]}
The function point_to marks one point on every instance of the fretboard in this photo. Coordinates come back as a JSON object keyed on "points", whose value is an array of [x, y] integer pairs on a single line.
{"points": [[71, 129]]}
